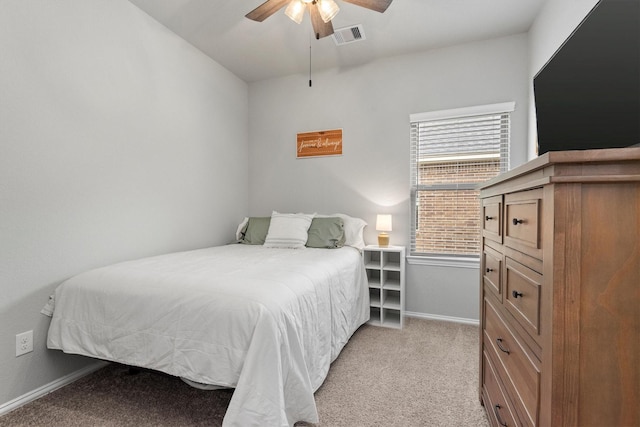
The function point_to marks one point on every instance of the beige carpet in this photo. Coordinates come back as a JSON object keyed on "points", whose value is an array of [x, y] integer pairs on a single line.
{"points": [[423, 375]]}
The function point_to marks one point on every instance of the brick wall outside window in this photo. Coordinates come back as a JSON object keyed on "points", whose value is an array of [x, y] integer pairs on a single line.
{"points": [[448, 221]]}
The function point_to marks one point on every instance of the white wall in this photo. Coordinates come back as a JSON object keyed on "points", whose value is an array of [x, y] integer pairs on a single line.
{"points": [[117, 140], [372, 103], [555, 22]]}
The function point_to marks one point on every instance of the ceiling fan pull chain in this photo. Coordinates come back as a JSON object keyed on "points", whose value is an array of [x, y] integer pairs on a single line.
{"points": [[309, 64]]}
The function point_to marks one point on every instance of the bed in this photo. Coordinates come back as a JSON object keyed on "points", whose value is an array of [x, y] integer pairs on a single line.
{"points": [[267, 321]]}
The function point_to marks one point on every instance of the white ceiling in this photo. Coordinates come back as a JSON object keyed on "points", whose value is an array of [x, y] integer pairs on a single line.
{"points": [[278, 46]]}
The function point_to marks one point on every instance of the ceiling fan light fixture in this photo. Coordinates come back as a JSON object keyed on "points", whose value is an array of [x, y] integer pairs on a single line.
{"points": [[328, 9], [321, 11], [295, 10]]}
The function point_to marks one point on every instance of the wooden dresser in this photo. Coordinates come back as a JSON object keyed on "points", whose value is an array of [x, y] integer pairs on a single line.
{"points": [[560, 291]]}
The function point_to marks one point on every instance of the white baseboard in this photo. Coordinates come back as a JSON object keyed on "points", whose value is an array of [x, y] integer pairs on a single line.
{"points": [[48, 388], [463, 320]]}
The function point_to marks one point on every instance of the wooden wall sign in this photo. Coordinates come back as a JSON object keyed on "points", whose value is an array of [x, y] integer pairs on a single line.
{"points": [[319, 143]]}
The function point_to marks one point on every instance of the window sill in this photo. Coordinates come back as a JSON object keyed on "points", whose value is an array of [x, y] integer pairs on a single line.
{"points": [[444, 261]]}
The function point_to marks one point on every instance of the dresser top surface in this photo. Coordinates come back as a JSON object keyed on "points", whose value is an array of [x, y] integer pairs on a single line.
{"points": [[553, 162]]}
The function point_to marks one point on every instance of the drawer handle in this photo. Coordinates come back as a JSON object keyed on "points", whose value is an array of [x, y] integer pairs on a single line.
{"points": [[516, 294], [499, 343], [517, 221], [488, 218], [489, 270], [496, 410]]}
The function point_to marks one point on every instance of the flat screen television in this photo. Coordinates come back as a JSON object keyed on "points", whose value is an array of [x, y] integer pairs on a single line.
{"points": [[587, 96]]}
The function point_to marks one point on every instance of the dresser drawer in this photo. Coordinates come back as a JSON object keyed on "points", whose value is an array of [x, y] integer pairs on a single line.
{"points": [[492, 271], [517, 369], [498, 409], [492, 218], [522, 288], [522, 221]]}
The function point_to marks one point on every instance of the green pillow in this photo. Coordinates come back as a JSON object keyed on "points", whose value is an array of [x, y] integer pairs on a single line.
{"points": [[255, 232], [326, 233]]}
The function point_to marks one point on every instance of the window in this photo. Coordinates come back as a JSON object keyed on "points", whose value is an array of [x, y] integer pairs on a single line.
{"points": [[451, 152]]}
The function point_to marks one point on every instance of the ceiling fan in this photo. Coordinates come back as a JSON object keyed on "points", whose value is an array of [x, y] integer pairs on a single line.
{"points": [[321, 11]]}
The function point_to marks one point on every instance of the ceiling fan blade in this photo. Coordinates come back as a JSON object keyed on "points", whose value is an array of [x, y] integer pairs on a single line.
{"points": [[320, 28], [377, 5], [266, 9]]}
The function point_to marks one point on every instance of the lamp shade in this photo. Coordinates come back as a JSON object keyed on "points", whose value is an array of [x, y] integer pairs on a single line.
{"points": [[383, 223], [295, 11], [328, 9]]}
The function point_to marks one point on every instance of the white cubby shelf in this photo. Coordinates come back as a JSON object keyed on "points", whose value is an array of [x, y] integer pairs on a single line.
{"points": [[385, 266]]}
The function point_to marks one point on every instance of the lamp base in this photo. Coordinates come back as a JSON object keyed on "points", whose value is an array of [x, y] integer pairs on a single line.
{"points": [[383, 240]]}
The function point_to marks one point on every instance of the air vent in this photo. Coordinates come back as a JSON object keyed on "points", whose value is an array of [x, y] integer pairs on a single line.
{"points": [[348, 35]]}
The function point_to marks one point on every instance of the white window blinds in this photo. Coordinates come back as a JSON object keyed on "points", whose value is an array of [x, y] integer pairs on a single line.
{"points": [[451, 152]]}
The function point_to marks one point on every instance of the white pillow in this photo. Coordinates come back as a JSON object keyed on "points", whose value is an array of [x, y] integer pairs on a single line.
{"points": [[288, 230], [240, 227], [353, 230]]}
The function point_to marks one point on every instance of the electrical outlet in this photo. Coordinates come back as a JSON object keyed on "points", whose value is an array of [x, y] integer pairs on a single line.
{"points": [[24, 343]]}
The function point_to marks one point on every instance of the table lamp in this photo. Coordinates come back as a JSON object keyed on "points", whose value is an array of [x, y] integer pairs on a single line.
{"points": [[383, 224]]}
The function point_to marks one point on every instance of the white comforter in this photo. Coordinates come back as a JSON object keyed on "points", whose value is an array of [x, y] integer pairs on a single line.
{"points": [[266, 321]]}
